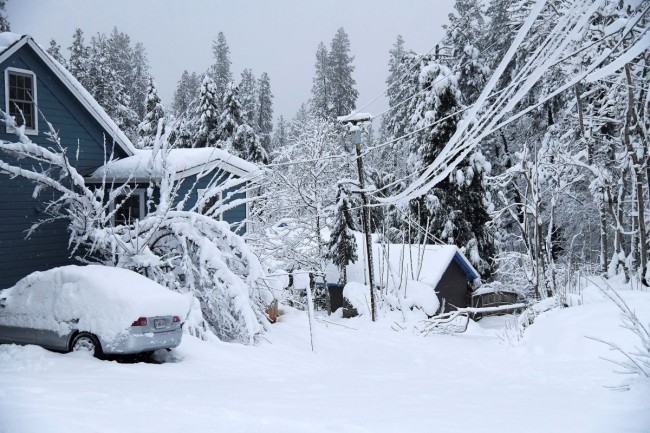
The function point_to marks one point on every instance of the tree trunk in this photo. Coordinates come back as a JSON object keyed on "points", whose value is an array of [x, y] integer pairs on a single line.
{"points": [[631, 124]]}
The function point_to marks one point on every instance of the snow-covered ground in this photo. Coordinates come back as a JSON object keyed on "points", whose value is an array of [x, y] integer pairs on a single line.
{"points": [[362, 378]]}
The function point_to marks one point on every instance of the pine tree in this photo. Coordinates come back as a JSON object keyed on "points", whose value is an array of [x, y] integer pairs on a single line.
{"points": [[186, 93], [4, 21], [220, 70], [344, 95], [208, 117], [320, 91], [455, 209], [78, 64], [396, 55], [248, 97], [342, 246], [280, 136], [265, 112], [147, 129], [230, 119], [103, 81], [246, 144], [465, 33], [54, 50], [138, 80]]}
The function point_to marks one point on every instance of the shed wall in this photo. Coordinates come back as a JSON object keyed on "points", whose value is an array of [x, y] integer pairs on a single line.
{"points": [[453, 288]]}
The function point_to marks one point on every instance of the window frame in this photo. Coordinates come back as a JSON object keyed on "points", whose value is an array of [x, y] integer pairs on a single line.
{"points": [[24, 72], [141, 194], [199, 195]]}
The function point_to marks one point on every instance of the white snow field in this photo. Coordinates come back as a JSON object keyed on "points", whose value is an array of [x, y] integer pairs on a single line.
{"points": [[363, 377]]}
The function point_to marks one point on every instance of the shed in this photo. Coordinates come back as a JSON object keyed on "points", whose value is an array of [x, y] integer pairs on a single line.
{"points": [[442, 267]]}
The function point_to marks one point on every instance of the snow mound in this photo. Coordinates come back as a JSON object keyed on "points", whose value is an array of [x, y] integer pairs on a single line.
{"points": [[104, 300], [422, 296], [359, 297]]}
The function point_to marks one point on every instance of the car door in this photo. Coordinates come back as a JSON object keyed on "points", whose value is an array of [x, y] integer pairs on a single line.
{"points": [[10, 329]]}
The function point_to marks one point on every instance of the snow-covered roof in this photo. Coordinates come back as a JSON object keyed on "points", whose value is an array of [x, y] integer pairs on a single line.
{"points": [[393, 264], [12, 42], [184, 162]]}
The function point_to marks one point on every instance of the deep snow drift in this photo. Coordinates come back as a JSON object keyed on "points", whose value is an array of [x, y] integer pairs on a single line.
{"points": [[363, 377]]}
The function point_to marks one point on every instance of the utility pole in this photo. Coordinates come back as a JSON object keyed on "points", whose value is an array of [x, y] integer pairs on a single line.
{"points": [[354, 121]]}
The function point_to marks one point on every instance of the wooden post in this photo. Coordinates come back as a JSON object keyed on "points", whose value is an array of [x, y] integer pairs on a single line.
{"points": [[365, 220]]}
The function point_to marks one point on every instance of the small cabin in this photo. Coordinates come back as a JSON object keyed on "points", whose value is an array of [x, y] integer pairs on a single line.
{"points": [[442, 267]]}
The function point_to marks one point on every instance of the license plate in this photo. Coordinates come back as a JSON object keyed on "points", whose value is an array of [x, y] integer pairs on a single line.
{"points": [[159, 323]]}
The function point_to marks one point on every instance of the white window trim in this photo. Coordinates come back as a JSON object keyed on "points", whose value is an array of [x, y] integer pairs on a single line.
{"points": [[200, 192], [28, 131], [140, 192], [249, 224]]}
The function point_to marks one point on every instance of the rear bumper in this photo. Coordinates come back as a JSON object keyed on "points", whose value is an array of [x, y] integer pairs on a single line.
{"points": [[135, 343]]}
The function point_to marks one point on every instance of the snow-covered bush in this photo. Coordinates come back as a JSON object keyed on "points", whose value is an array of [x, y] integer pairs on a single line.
{"points": [[181, 249]]}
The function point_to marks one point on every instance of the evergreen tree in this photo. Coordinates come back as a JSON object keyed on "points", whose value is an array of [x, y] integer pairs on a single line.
{"points": [[207, 114], [320, 91], [455, 209], [78, 64], [265, 112], [230, 119], [342, 246], [280, 136], [465, 33], [138, 80], [54, 50], [344, 95], [246, 144], [4, 21], [248, 97], [148, 128], [103, 81], [396, 55], [220, 70], [186, 93]]}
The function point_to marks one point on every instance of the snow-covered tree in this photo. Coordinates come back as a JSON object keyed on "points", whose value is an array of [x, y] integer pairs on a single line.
{"points": [[342, 247], [248, 97], [321, 93], [208, 132], [265, 111], [230, 119], [186, 93], [280, 135], [4, 21], [220, 69], [155, 112], [78, 63], [54, 50], [343, 92], [464, 31]]}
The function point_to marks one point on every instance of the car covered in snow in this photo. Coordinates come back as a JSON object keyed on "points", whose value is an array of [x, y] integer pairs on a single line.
{"points": [[99, 309]]}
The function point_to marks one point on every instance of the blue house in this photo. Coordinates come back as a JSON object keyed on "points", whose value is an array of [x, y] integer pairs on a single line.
{"points": [[37, 85]]}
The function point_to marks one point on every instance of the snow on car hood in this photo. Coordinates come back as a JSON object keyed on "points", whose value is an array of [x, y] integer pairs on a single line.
{"points": [[104, 300]]}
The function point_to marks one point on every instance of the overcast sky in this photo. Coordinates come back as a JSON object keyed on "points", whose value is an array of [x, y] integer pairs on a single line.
{"points": [[273, 36]]}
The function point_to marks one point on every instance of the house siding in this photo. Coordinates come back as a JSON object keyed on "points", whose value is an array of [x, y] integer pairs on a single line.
{"points": [[453, 288], [48, 246], [235, 216]]}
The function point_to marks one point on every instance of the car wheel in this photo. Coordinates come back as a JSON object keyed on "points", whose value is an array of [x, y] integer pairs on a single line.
{"points": [[85, 342]]}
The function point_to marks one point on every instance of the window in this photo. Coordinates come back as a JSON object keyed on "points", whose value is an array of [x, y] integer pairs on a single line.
{"points": [[20, 98], [210, 203], [131, 208]]}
